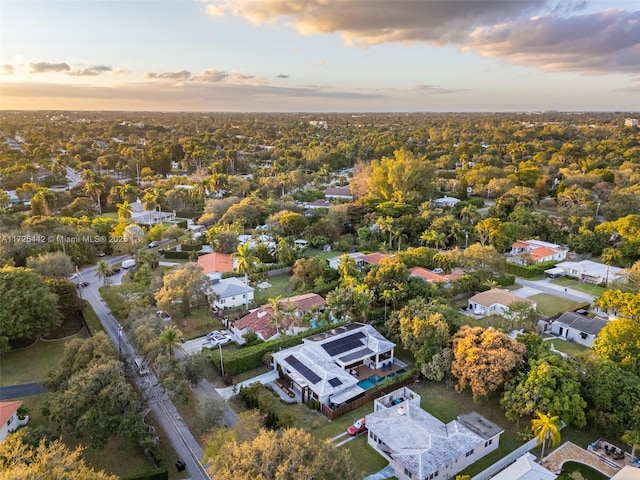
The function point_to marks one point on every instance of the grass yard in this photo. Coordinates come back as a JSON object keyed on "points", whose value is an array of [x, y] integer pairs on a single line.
{"points": [[584, 287], [550, 304], [91, 319], [366, 458], [199, 322], [570, 348], [279, 286], [322, 254], [32, 363]]}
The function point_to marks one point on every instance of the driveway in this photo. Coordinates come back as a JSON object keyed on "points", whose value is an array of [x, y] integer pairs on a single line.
{"points": [[24, 390], [526, 292]]}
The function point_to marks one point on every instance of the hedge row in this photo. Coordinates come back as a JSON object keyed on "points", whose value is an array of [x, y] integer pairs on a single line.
{"points": [[179, 254], [531, 270], [245, 359]]}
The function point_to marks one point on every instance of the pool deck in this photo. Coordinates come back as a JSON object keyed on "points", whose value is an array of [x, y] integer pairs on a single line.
{"points": [[364, 372], [569, 451]]}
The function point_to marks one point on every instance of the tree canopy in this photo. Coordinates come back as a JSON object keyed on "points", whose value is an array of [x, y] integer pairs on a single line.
{"points": [[29, 307], [290, 454], [484, 359]]}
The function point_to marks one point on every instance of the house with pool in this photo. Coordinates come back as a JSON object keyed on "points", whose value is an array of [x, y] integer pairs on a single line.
{"points": [[339, 365]]}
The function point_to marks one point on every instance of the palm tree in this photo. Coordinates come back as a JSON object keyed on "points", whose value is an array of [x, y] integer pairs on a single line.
{"points": [[170, 337], [385, 225], [545, 428], [632, 437], [245, 263], [434, 238], [125, 210], [95, 189], [102, 270], [276, 316]]}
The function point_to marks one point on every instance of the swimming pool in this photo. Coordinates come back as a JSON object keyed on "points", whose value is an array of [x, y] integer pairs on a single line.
{"points": [[369, 383]]}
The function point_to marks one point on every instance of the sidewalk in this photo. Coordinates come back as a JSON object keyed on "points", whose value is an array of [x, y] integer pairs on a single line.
{"points": [[228, 392]]}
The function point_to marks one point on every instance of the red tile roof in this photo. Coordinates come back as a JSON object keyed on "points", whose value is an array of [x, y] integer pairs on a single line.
{"points": [[7, 409], [542, 252], [260, 320], [374, 258], [215, 262], [431, 277]]}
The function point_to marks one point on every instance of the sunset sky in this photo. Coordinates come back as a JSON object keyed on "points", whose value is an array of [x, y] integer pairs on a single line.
{"points": [[320, 55]]}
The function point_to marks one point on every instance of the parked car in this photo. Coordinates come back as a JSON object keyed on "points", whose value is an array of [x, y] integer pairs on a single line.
{"points": [[153, 244], [85, 284], [113, 271], [358, 427], [163, 316]]}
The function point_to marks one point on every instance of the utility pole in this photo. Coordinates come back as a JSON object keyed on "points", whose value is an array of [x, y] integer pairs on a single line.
{"points": [[221, 362], [119, 342]]}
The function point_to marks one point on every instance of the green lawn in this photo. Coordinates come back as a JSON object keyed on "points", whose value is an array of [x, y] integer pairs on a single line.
{"points": [[323, 255], [279, 286], [366, 458], [32, 363], [550, 304], [589, 288], [570, 348]]}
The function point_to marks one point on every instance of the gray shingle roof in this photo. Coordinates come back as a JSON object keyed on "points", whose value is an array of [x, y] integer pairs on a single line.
{"points": [[592, 326]]}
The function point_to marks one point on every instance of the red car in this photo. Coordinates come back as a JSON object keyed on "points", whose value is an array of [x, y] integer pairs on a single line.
{"points": [[358, 427]]}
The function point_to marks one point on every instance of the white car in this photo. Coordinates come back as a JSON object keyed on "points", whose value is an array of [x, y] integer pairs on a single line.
{"points": [[219, 339], [163, 316]]}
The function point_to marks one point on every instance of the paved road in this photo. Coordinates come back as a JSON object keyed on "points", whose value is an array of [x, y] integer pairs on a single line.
{"points": [[185, 445], [24, 390], [547, 287]]}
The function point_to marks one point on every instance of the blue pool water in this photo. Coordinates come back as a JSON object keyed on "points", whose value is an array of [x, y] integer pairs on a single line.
{"points": [[368, 383]]}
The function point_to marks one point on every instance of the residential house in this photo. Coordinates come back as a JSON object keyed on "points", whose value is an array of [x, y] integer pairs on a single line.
{"points": [[525, 468], [446, 202], [338, 193], [418, 446], [261, 320], [317, 204], [536, 251], [333, 367], [435, 276], [361, 259], [229, 292], [593, 272], [149, 217], [495, 301], [216, 262], [9, 419], [578, 328]]}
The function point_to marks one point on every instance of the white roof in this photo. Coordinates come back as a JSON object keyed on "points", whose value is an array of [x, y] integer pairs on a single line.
{"points": [[418, 440], [229, 287], [627, 473], [525, 468], [593, 269]]}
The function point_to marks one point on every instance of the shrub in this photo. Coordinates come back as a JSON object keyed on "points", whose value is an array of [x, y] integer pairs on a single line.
{"points": [[529, 271]]}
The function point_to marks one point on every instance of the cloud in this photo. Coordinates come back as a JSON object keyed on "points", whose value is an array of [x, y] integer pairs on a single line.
{"points": [[282, 75], [320, 63], [435, 90], [212, 76], [552, 35], [374, 22], [179, 75], [8, 69], [45, 67], [602, 42], [90, 72]]}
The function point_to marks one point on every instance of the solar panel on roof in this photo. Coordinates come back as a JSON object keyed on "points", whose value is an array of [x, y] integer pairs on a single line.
{"points": [[305, 371], [334, 382], [344, 344]]}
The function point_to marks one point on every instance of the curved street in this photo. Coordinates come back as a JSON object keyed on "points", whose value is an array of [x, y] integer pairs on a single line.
{"points": [[185, 445]]}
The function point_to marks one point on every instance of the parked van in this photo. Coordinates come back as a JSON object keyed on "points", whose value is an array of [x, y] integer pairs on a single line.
{"points": [[128, 263]]}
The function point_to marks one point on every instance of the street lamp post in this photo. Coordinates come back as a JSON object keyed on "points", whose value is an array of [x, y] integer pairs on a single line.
{"points": [[221, 362], [466, 239]]}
